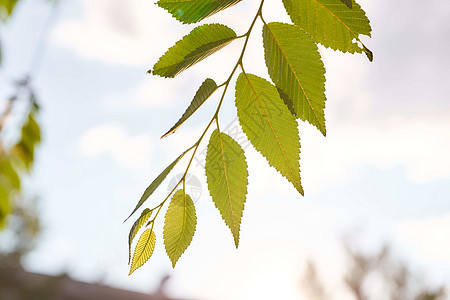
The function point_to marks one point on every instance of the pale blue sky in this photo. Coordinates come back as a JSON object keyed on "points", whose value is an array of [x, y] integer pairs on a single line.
{"points": [[382, 171]]}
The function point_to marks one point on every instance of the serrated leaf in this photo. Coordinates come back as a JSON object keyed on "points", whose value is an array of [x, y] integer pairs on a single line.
{"points": [[200, 43], [192, 11], [207, 88], [348, 3], [179, 226], [144, 250], [227, 177], [295, 66], [331, 23], [155, 184], [269, 125], [145, 215]]}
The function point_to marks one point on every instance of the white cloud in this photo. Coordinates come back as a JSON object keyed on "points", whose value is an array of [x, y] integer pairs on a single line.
{"points": [[136, 32], [429, 237], [127, 151], [123, 32], [420, 144]]}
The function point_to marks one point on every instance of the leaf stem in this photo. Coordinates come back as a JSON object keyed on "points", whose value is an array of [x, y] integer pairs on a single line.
{"points": [[215, 117], [226, 84]]}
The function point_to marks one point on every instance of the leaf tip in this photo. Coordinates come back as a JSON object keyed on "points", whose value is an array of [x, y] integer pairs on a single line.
{"points": [[174, 262], [166, 134], [236, 238], [369, 54], [299, 188], [126, 219]]}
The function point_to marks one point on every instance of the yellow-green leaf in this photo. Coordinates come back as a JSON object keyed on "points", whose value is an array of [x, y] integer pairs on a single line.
{"points": [[145, 215], [207, 88], [144, 249], [6, 8], [5, 206], [200, 43], [8, 175], [179, 226], [227, 177], [295, 66], [192, 11], [29, 139], [269, 125], [331, 22]]}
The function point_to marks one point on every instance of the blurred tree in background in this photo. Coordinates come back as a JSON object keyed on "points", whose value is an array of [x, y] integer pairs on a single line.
{"points": [[374, 276], [19, 135], [21, 234]]}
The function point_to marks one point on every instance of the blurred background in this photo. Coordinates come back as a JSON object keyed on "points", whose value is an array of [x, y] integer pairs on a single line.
{"points": [[375, 219]]}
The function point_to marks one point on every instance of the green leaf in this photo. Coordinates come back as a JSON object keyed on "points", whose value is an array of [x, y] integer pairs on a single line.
{"points": [[31, 132], [144, 249], [6, 8], [348, 3], [331, 23], [24, 153], [369, 53], [192, 11], [29, 139], [145, 215], [207, 88], [269, 125], [200, 43], [155, 184], [295, 66], [179, 226], [8, 175], [227, 177], [5, 206]]}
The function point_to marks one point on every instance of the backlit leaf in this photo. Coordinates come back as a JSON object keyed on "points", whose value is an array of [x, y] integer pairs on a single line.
{"points": [[145, 215], [200, 43], [269, 125], [179, 226], [295, 66], [144, 249], [227, 177], [155, 184], [331, 22], [192, 11], [207, 88]]}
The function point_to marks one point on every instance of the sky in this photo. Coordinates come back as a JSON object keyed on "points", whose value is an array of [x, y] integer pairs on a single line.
{"points": [[382, 174]]}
